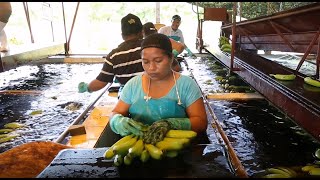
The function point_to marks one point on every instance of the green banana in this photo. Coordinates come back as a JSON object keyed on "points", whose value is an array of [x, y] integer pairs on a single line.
{"points": [[226, 49], [274, 176], [169, 145], [310, 88], [5, 131], [3, 135], [118, 160], [289, 171], [154, 151], [124, 147], [185, 141], [144, 155], [312, 82], [278, 171], [226, 46], [307, 168], [181, 134], [127, 159], [171, 154], [108, 154], [137, 149], [284, 77], [8, 138], [315, 171]]}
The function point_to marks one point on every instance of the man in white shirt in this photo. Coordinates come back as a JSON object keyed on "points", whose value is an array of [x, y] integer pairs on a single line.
{"points": [[174, 32]]}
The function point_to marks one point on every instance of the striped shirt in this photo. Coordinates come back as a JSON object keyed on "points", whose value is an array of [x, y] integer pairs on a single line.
{"points": [[123, 62]]}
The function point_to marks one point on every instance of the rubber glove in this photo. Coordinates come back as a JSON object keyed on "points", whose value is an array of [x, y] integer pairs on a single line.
{"points": [[158, 130], [83, 87], [126, 126], [175, 53], [179, 123], [189, 52]]}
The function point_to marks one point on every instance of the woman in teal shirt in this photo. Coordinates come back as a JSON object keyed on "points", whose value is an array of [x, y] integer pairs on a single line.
{"points": [[159, 95]]}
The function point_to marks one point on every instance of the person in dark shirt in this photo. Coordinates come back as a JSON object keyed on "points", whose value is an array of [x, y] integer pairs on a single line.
{"points": [[123, 62]]}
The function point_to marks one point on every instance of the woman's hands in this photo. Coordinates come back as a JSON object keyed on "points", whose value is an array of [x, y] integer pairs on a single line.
{"points": [[126, 126], [158, 130]]}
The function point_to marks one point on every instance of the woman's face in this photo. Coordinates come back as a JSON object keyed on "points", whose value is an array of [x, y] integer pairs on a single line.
{"points": [[156, 63]]}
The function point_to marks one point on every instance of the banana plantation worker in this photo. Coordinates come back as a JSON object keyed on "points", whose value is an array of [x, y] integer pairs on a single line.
{"points": [[123, 62], [161, 98], [177, 48], [174, 32], [5, 13]]}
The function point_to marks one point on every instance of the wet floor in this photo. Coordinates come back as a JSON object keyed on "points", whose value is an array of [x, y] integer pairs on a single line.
{"points": [[261, 135]]}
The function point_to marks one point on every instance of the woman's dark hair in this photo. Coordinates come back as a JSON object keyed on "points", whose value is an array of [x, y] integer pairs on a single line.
{"points": [[158, 40]]}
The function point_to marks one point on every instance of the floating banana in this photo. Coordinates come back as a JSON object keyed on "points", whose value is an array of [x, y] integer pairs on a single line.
{"points": [[312, 82], [284, 77], [310, 88]]}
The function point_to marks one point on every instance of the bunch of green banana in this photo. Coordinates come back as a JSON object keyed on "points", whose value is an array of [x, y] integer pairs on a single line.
{"points": [[284, 77], [125, 150], [312, 82], [280, 172], [224, 44], [223, 40]]}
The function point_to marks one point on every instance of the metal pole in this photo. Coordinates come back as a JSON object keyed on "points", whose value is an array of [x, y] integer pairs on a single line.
{"points": [[233, 46], [66, 50], [157, 12], [26, 10], [74, 20]]}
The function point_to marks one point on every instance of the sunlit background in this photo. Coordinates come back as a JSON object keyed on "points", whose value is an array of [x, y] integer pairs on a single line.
{"points": [[97, 24]]}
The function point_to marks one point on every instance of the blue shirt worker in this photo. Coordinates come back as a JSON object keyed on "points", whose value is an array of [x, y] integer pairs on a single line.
{"points": [[160, 97]]}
